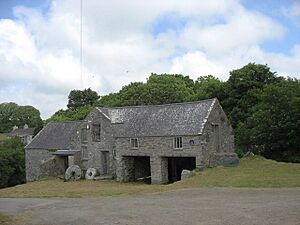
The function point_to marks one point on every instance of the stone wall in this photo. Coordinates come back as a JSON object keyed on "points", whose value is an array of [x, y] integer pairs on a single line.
{"points": [[41, 162], [158, 149], [225, 141], [96, 148]]}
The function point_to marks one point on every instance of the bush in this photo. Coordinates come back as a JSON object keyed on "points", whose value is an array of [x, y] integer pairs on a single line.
{"points": [[12, 162]]}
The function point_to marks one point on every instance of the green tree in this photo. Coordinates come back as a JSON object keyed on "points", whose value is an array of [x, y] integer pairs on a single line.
{"points": [[165, 88], [240, 89], [78, 98], [12, 114], [209, 87], [273, 129], [12, 162], [110, 100]]}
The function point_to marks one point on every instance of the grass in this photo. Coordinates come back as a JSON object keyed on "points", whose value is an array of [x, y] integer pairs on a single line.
{"points": [[4, 219], [255, 172]]}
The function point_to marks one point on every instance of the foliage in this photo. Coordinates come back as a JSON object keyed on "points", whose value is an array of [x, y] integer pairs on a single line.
{"points": [[12, 114], [70, 115], [159, 89], [78, 98], [240, 87], [208, 87], [273, 128], [12, 162]]}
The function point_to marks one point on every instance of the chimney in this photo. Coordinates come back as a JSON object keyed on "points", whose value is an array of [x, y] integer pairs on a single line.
{"points": [[25, 126], [15, 127]]}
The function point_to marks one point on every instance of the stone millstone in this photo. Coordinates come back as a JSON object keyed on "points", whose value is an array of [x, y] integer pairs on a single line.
{"points": [[91, 173], [186, 174], [73, 173]]}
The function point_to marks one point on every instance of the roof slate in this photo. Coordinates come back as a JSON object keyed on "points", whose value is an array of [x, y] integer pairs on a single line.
{"points": [[55, 135], [159, 120], [20, 132]]}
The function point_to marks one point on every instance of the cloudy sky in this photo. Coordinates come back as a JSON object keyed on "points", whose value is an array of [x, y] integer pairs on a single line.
{"points": [[125, 41]]}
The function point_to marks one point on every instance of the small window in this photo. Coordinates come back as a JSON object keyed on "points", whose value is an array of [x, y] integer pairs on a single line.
{"points": [[134, 143], [96, 132], [84, 153], [178, 142], [83, 135]]}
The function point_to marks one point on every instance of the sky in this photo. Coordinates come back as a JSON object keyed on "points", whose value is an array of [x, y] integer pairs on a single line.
{"points": [[124, 41]]}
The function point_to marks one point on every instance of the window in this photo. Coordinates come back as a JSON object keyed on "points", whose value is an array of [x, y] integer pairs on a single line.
{"points": [[96, 132], [84, 153], [178, 142], [83, 135], [134, 143]]}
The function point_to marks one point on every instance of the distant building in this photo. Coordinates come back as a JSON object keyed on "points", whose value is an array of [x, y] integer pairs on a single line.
{"points": [[25, 134], [134, 142]]}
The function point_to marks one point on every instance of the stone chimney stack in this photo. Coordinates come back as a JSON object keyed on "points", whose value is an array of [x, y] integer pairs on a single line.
{"points": [[25, 126], [15, 127]]}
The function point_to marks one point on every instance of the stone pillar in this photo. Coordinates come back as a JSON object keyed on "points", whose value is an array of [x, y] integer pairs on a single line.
{"points": [[70, 160], [159, 170]]}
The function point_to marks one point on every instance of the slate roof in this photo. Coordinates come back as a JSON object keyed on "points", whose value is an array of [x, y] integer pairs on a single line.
{"points": [[159, 120], [55, 135], [21, 132]]}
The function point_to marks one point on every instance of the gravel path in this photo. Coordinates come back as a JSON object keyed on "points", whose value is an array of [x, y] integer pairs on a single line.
{"points": [[194, 206]]}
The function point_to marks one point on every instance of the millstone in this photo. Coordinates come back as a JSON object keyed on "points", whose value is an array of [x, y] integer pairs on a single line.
{"points": [[73, 173], [91, 173]]}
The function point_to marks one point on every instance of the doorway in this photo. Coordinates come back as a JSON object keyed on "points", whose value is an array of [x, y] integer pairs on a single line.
{"points": [[177, 164], [105, 162]]}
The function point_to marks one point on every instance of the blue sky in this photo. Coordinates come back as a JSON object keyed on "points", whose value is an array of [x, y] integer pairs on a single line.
{"points": [[126, 41]]}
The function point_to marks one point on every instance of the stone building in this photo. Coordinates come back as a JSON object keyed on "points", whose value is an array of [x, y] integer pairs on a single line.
{"points": [[52, 150], [25, 133], [135, 142]]}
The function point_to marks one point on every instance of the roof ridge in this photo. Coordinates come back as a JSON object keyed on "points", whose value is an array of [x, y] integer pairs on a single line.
{"points": [[148, 106]]}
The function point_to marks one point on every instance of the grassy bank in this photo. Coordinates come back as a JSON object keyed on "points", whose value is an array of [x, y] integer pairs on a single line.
{"points": [[255, 172], [4, 219]]}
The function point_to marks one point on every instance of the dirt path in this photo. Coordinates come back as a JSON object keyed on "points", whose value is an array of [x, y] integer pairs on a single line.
{"points": [[195, 206]]}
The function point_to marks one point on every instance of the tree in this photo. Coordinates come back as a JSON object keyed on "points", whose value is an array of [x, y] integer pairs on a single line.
{"points": [[12, 114], [240, 89], [78, 98], [165, 88], [273, 129], [12, 162], [208, 87]]}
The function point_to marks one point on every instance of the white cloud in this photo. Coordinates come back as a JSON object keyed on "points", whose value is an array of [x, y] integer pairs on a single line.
{"points": [[39, 52], [292, 12], [196, 64]]}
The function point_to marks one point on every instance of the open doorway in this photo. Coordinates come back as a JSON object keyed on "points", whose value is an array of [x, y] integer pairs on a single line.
{"points": [[137, 169], [142, 171], [177, 164]]}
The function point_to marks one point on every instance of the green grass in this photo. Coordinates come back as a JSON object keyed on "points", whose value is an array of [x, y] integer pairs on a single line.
{"points": [[5, 220], [255, 172]]}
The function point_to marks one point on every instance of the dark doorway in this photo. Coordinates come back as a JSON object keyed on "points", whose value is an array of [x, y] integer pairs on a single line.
{"points": [[66, 162], [137, 169], [105, 162], [142, 171], [177, 164]]}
